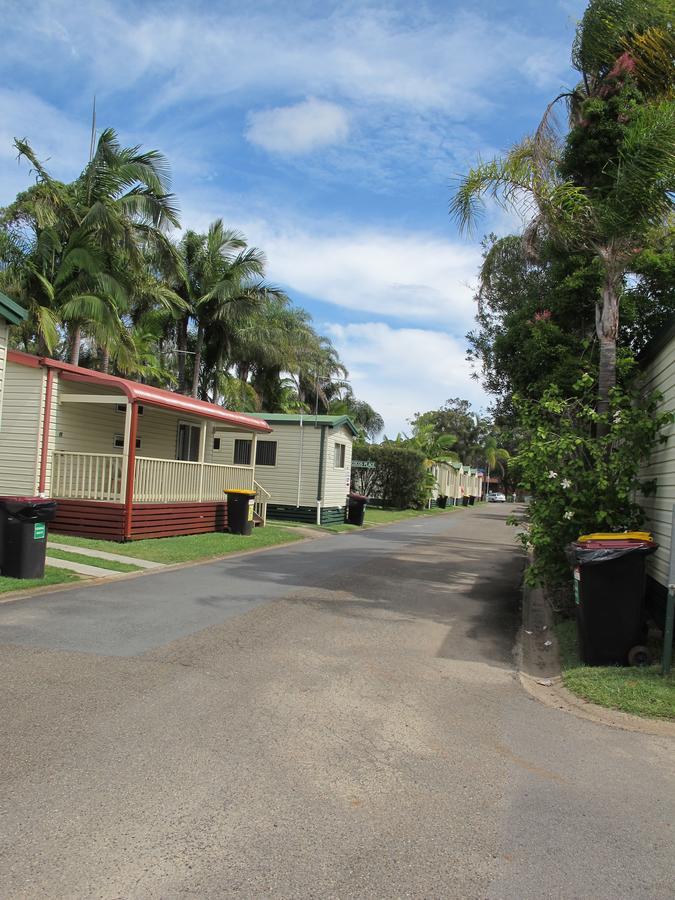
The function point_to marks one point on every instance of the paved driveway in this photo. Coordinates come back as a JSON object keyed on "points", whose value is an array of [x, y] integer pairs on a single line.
{"points": [[338, 718]]}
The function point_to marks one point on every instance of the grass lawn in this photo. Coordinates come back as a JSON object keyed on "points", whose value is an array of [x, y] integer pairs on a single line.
{"points": [[375, 516], [187, 548], [52, 576], [641, 691], [91, 561]]}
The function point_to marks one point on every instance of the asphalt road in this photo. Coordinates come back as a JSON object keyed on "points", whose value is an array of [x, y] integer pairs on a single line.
{"points": [[338, 718]]}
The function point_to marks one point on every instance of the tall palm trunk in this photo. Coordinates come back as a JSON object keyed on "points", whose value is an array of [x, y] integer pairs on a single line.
{"points": [[607, 329], [198, 360], [105, 360], [75, 343]]}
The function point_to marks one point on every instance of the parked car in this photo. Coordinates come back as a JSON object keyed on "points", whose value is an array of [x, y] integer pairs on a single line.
{"points": [[496, 497]]}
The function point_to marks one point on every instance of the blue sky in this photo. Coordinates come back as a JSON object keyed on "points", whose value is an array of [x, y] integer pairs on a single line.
{"points": [[329, 133]]}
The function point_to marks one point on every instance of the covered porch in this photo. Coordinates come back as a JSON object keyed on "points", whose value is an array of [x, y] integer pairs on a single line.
{"points": [[128, 461]]}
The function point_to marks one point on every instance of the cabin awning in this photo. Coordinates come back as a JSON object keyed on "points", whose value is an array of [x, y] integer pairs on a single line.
{"points": [[144, 393]]}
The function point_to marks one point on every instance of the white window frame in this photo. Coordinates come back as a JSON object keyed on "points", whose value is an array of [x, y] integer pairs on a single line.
{"points": [[343, 454]]}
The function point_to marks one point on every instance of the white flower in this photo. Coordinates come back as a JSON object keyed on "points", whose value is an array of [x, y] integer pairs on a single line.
{"points": [[568, 515], [552, 474], [617, 417], [566, 483]]}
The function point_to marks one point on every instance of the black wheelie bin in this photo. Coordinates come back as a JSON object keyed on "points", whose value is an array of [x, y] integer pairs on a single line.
{"points": [[609, 591], [240, 511], [23, 535], [356, 508]]}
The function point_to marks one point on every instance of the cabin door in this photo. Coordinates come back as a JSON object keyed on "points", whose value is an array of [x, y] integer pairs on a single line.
{"points": [[187, 443]]}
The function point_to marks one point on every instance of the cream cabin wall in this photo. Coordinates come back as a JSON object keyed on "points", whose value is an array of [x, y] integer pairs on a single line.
{"points": [[291, 468], [659, 376], [4, 337], [336, 479], [21, 431], [91, 427]]}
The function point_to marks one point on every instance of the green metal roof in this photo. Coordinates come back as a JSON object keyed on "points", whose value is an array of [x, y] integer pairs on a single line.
{"points": [[10, 310], [307, 419]]}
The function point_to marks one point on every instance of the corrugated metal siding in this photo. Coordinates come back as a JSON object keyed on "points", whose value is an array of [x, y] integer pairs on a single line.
{"points": [[23, 393], [660, 375], [281, 480]]}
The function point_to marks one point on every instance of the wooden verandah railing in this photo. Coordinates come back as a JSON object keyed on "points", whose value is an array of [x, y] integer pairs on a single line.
{"points": [[101, 476]]}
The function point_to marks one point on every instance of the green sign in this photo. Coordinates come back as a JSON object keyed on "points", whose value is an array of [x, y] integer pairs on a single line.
{"points": [[39, 531]]}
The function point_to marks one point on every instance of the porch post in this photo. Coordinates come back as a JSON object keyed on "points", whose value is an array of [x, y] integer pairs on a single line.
{"points": [[254, 444], [200, 460], [46, 431], [129, 452]]}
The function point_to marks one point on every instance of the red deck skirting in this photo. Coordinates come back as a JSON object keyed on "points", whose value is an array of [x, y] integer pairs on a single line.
{"points": [[96, 519]]}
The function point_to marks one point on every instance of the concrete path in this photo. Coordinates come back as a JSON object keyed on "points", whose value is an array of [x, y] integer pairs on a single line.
{"points": [[333, 719], [81, 568], [104, 554]]}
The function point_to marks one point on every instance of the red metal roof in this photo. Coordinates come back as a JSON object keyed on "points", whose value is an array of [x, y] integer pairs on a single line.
{"points": [[144, 393]]}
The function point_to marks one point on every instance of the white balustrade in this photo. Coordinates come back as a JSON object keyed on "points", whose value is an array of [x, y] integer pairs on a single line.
{"points": [[87, 476], [98, 476], [176, 480]]}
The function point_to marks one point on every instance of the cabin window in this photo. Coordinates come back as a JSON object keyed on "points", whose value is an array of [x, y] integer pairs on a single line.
{"points": [[339, 460], [187, 442], [266, 453], [118, 442], [216, 443], [242, 452], [122, 408]]}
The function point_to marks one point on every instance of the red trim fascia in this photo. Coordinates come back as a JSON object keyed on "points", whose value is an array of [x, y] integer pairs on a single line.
{"points": [[131, 473], [144, 393], [23, 359], [46, 424]]}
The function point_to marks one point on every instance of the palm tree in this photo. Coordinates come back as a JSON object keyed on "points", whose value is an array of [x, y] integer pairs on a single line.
{"points": [[612, 179], [121, 205], [494, 457]]}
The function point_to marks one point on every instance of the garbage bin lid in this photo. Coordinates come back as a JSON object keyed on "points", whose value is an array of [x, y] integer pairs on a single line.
{"points": [[238, 491], [354, 496], [625, 544], [616, 536]]}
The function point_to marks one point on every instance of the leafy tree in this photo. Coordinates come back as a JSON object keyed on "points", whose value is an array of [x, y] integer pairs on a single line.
{"points": [[609, 182]]}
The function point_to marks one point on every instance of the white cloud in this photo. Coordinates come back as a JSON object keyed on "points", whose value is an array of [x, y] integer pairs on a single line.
{"points": [[298, 129], [405, 275], [402, 371], [410, 58], [61, 143]]}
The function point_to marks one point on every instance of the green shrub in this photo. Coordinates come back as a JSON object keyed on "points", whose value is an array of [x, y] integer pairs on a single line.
{"points": [[398, 479], [581, 469]]}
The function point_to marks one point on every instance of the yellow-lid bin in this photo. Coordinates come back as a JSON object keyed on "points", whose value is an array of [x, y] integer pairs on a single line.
{"points": [[616, 536]]}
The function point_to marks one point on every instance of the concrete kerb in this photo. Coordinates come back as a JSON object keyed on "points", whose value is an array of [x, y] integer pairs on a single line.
{"points": [[539, 672]]}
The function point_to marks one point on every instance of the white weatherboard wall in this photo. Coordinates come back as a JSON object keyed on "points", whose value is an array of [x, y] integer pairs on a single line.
{"points": [[21, 429], [294, 480], [292, 467], [659, 375], [336, 479], [3, 359]]}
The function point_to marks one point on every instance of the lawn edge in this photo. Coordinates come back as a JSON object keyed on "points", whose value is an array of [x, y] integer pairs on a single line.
{"points": [[536, 666]]}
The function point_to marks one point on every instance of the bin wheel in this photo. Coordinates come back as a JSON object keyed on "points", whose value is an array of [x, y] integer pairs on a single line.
{"points": [[639, 656]]}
